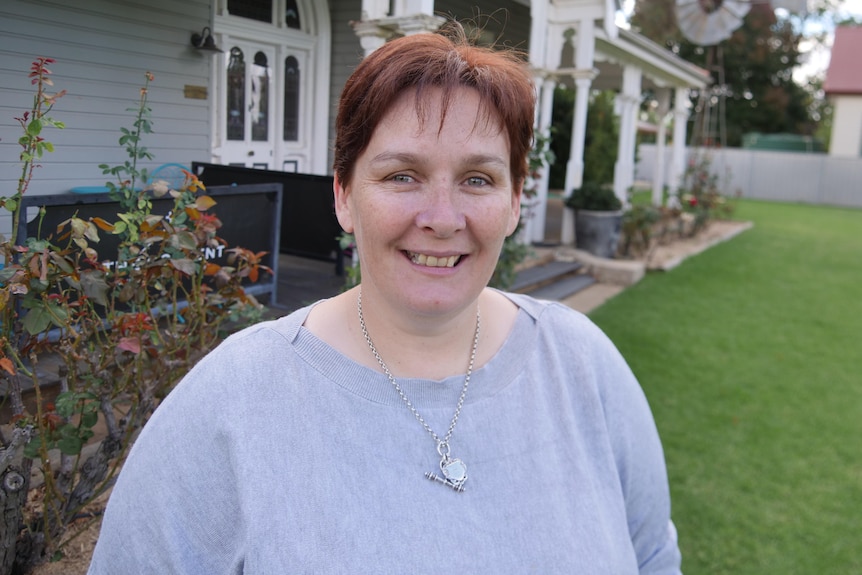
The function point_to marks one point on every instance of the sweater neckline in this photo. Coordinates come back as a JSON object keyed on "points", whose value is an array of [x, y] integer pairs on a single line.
{"points": [[374, 386]]}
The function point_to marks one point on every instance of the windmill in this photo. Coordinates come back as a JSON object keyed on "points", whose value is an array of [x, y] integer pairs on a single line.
{"points": [[708, 23]]}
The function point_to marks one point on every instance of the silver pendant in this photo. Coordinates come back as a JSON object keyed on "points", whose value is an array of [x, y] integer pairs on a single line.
{"points": [[454, 473]]}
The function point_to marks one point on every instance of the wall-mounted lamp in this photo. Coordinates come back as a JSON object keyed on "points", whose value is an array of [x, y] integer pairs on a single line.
{"points": [[205, 41]]}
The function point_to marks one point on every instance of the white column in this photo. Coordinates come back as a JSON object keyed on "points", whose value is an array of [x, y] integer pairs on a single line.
{"points": [[539, 35], [584, 75], [575, 165], [658, 176], [677, 162], [418, 23], [407, 7], [373, 9], [629, 103], [546, 105], [371, 35]]}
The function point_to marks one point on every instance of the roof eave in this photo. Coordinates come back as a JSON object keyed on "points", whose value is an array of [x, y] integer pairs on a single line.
{"points": [[663, 63]]}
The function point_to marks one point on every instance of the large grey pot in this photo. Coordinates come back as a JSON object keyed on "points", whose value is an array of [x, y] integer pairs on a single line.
{"points": [[598, 232]]}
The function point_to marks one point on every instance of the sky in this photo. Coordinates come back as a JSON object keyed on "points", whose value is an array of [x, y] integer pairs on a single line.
{"points": [[818, 55]]}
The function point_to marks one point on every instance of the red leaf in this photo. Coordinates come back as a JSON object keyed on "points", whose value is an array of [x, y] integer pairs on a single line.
{"points": [[132, 344], [7, 365]]}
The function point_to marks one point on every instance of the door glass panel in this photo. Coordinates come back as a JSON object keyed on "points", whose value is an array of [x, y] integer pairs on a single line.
{"points": [[259, 98], [291, 15], [291, 99], [236, 95], [260, 10]]}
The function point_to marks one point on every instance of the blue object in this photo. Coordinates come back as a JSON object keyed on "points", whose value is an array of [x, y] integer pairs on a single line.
{"points": [[90, 190], [172, 173]]}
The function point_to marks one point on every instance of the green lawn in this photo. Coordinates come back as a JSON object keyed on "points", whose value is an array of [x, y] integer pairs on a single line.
{"points": [[751, 356]]}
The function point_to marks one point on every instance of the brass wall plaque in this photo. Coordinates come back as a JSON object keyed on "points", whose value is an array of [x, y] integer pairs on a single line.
{"points": [[195, 92]]}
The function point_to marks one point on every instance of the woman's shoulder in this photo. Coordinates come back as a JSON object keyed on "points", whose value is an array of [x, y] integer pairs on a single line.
{"points": [[250, 354], [570, 334], [553, 315]]}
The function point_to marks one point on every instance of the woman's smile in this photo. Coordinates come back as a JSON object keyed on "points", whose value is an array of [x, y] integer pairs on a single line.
{"points": [[433, 261]]}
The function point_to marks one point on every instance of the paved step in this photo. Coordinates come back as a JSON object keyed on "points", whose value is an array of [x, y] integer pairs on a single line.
{"points": [[552, 281], [543, 273], [560, 290]]}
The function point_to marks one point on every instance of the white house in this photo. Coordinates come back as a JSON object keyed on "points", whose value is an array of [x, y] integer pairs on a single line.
{"points": [[267, 99], [843, 86]]}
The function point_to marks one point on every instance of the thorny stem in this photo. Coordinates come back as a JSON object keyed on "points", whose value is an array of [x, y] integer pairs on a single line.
{"points": [[42, 105], [138, 126]]}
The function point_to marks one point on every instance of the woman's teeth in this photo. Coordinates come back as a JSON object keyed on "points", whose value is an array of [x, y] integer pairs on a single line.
{"points": [[433, 261]]}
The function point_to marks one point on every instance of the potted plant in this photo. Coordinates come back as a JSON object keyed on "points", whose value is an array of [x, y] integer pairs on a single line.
{"points": [[598, 218]]}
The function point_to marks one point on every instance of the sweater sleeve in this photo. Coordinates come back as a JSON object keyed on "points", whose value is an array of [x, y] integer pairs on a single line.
{"points": [[640, 462], [174, 508]]}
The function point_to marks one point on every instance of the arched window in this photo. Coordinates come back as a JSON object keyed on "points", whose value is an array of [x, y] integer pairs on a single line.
{"points": [[260, 98], [291, 99], [260, 10], [236, 95], [291, 15]]}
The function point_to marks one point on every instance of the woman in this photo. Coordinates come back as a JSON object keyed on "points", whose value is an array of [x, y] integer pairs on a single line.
{"points": [[420, 422]]}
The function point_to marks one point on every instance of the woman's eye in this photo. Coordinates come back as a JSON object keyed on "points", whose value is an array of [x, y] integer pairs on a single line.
{"points": [[476, 181], [403, 178]]}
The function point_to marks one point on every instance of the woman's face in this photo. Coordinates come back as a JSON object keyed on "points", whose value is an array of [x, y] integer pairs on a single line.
{"points": [[430, 204]]}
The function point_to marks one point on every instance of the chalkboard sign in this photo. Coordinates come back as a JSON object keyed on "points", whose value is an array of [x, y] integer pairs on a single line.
{"points": [[250, 216], [309, 227]]}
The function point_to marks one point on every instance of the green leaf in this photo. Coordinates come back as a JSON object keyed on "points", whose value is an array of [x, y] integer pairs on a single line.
{"points": [[59, 314], [70, 445], [185, 265], [34, 128], [65, 265], [183, 240], [89, 419], [36, 320], [31, 450], [95, 286], [66, 403], [38, 285]]}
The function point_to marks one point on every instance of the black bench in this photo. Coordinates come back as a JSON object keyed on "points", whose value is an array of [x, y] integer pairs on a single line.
{"points": [[309, 227], [250, 216]]}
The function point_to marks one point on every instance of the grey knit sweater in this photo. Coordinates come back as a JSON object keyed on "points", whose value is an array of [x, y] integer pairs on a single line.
{"points": [[276, 454]]}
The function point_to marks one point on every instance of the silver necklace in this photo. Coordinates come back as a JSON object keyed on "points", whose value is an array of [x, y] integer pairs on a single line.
{"points": [[454, 470]]}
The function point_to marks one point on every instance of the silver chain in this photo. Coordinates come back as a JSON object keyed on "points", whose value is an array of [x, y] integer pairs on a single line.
{"points": [[442, 445]]}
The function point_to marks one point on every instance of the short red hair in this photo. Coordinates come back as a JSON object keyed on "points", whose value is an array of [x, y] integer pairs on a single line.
{"points": [[442, 60]]}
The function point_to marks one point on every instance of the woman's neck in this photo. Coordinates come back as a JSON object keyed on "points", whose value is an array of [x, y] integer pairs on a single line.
{"points": [[413, 345]]}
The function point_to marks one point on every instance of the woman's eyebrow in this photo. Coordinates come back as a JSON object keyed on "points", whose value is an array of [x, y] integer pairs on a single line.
{"points": [[469, 160], [401, 157], [484, 160]]}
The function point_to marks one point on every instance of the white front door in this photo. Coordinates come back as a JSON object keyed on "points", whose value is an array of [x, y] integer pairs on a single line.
{"points": [[250, 106], [271, 105]]}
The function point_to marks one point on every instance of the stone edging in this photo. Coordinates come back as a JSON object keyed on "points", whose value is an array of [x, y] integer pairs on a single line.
{"points": [[628, 272]]}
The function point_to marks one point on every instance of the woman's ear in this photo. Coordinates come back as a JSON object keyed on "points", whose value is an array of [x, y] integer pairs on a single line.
{"points": [[515, 215], [342, 205]]}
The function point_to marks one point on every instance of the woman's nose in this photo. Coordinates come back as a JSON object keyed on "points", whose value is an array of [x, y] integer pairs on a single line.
{"points": [[441, 212]]}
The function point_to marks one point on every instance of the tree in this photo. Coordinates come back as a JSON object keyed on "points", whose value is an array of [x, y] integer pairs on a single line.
{"points": [[756, 64]]}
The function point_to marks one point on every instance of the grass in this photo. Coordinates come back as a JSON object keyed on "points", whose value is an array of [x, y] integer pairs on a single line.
{"points": [[751, 354]]}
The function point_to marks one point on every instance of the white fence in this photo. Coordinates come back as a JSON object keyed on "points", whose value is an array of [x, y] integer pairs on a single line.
{"points": [[768, 175]]}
